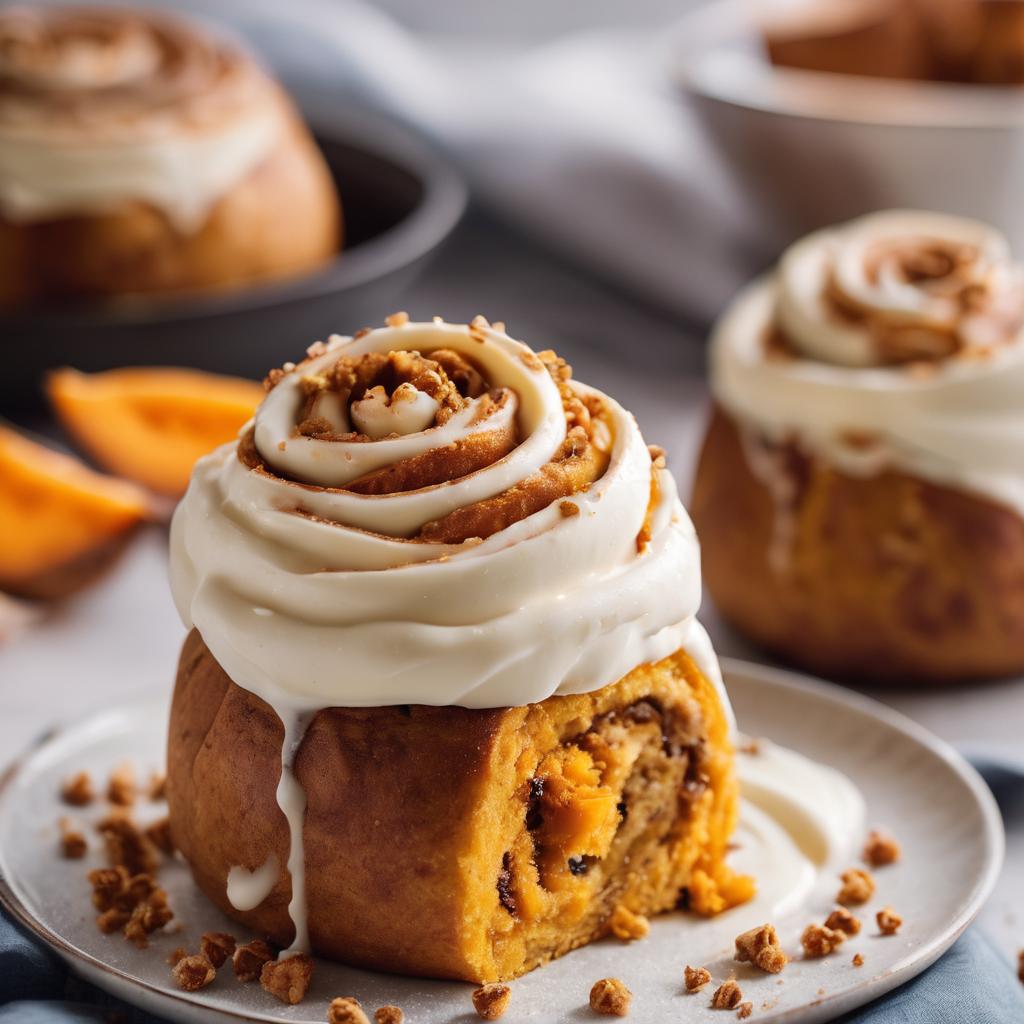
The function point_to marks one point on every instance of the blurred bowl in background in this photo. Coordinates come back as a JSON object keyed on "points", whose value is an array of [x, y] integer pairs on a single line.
{"points": [[401, 201], [815, 148]]}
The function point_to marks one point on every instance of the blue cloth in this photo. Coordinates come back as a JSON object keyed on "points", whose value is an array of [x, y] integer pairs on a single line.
{"points": [[972, 984]]}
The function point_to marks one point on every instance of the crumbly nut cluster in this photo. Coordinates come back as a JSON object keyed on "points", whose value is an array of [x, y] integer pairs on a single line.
{"points": [[388, 1015], [288, 979], [841, 920], [133, 904], [346, 1010], [127, 845], [744, 1010], [610, 997], [761, 947], [819, 940], [627, 926], [888, 921], [248, 960], [727, 996], [491, 1001], [194, 972], [881, 849], [78, 790], [858, 960], [695, 978], [121, 788], [858, 887], [218, 946], [73, 844]]}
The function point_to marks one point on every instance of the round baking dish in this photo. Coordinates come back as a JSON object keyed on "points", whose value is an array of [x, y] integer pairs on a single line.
{"points": [[401, 200]]}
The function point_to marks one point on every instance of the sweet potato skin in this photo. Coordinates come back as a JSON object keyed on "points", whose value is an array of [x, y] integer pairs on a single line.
{"points": [[886, 578]]}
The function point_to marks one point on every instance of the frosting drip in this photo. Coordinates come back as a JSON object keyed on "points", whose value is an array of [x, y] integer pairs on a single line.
{"points": [[521, 544], [103, 106], [894, 342]]}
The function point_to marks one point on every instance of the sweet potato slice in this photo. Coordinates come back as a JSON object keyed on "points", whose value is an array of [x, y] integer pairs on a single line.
{"points": [[150, 424], [61, 522]]}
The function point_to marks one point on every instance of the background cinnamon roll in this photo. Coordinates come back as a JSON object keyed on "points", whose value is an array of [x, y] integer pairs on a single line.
{"points": [[143, 154], [860, 495], [444, 648]]}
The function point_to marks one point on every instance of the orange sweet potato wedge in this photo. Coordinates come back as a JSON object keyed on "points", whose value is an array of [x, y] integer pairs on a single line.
{"points": [[150, 424], [62, 523]]}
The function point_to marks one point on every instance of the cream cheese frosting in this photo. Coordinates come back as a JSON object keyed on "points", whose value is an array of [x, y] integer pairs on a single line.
{"points": [[311, 596], [893, 342], [99, 107]]}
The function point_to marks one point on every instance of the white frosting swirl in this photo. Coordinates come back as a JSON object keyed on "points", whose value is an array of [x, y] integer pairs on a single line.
{"points": [[956, 419], [334, 605], [103, 106]]}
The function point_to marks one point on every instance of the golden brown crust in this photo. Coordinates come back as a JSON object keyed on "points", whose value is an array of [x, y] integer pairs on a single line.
{"points": [[886, 578], [415, 818], [282, 219]]}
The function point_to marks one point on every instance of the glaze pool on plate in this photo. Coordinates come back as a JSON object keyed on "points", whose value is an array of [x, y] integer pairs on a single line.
{"points": [[942, 812]]}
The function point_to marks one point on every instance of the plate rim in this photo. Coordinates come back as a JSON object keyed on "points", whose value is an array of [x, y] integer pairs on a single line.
{"points": [[992, 837]]}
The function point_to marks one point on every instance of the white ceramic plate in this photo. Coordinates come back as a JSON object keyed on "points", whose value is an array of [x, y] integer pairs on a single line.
{"points": [[940, 809]]}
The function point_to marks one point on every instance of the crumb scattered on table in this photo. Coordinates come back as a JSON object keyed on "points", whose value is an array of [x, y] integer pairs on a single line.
{"points": [[491, 1001], [610, 997]]}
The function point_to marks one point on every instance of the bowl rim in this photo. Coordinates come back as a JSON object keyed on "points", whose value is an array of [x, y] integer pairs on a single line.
{"points": [[713, 57], [438, 211]]}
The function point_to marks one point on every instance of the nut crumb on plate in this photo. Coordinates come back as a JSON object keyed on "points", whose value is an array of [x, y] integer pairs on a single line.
{"points": [[73, 844], [727, 996], [346, 1010], [610, 997], [491, 1001], [858, 887], [248, 959], [626, 925], [695, 978], [193, 972], [288, 979], [880, 849], [388, 1015], [126, 845], [760, 946], [888, 921], [841, 920], [858, 960], [218, 946], [744, 1010], [121, 787], [78, 790], [819, 940]]}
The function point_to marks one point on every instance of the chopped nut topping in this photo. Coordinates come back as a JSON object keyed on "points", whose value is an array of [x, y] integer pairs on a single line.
{"points": [[249, 959], [858, 960], [78, 790], [288, 979], [193, 972], [107, 884], [389, 1015], [819, 940], [881, 849], [73, 845], [150, 913], [888, 921], [157, 786], [568, 508], [159, 834], [218, 946], [760, 946], [491, 1001], [397, 319], [126, 845], [121, 787], [176, 954], [842, 920], [744, 1010], [610, 997], [858, 887], [346, 1010], [627, 926], [727, 996], [112, 920], [695, 978]]}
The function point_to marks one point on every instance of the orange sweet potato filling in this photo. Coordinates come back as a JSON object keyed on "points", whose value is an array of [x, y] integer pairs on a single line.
{"points": [[150, 424]]}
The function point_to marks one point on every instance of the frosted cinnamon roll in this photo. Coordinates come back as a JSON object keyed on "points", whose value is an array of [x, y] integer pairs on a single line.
{"points": [[141, 153], [440, 573], [861, 491]]}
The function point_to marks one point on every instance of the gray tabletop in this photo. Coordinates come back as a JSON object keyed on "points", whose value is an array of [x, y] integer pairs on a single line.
{"points": [[122, 636]]}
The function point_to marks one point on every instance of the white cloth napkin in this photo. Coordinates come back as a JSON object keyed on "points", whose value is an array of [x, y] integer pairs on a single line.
{"points": [[585, 143]]}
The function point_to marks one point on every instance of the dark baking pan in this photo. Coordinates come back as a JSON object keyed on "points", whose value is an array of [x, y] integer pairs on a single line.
{"points": [[401, 200]]}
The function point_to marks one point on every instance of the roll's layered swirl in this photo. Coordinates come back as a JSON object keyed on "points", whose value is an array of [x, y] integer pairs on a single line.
{"points": [[434, 514], [103, 105], [892, 342]]}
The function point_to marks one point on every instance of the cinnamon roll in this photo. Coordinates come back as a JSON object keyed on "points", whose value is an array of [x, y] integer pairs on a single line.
{"points": [[445, 703], [860, 495], [143, 154]]}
